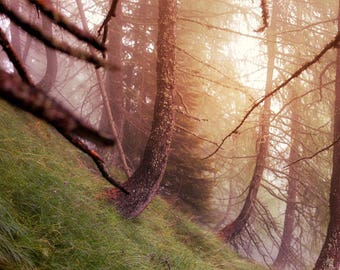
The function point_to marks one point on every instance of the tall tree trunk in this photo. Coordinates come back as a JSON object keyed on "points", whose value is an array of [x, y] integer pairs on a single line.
{"points": [[145, 181], [285, 253], [329, 257], [233, 229]]}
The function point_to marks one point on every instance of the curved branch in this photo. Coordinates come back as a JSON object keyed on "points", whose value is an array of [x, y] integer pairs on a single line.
{"points": [[110, 14], [97, 160], [63, 22], [315, 154], [14, 58], [35, 101], [50, 42], [297, 73]]}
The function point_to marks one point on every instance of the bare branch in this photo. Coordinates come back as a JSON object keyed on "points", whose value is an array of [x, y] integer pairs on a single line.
{"points": [[110, 14], [317, 153], [297, 73], [218, 28], [51, 42], [35, 101], [177, 126], [14, 58], [265, 16], [321, 76], [96, 158], [309, 25], [63, 22]]}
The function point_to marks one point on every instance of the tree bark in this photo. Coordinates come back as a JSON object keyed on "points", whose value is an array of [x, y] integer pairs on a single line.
{"points": [[145, 181], [284, 254], [230, 231], [329, 257]]}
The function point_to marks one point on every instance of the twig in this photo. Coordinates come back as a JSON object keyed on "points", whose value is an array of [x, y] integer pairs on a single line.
{"points": [[14, 58], [177, 126], [315, 154], [265, 16], [96, 158], [63, 22], [329, 46], [106, 102], [218, 28], [50, 42], [321, 75], [35, 101], [110, 14]]}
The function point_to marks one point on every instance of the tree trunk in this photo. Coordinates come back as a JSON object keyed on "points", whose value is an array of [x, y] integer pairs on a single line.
{"points": [[285, 253], [145, 181], [329, 257], [233, 229]]}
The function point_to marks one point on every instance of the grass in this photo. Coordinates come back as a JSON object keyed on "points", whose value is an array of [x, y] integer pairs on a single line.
{"points": [[52, 214]]}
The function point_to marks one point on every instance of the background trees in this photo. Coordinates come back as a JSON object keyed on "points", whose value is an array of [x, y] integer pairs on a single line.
{"points": [[222, 69]]}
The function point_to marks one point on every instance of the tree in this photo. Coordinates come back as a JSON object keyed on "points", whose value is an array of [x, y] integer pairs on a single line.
{"points": [[145, 181], [329, 257], [230, 231], [114, 85], [285, 252]]}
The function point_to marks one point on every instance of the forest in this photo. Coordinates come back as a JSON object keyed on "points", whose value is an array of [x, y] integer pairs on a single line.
{"points": [[227, 110]]}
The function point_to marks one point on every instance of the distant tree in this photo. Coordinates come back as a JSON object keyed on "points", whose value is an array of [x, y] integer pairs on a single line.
{"points": [[51, 70], [113, 85], [230, 231], [286, 253], [329, 258]]}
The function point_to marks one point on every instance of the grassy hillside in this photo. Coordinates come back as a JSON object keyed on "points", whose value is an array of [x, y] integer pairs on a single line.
{"points": [[52, 214]]}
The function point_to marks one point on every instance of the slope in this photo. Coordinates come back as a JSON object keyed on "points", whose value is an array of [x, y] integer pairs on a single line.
{"points": [[53, 216]]}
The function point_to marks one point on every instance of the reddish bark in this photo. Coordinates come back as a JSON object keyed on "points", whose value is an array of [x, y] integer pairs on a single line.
{"points": [[144, 183], [329, 257]]}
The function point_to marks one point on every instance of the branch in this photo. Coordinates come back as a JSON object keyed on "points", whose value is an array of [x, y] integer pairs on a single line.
{"points": [[177, 126], [14, 58], [315, 154], [265, 16], [35, 101], [307, 26], [110, 14], [51, 42], [97, 160], [297, 73], [214, 27], [107, 107], [63, 22], [321, 75]]}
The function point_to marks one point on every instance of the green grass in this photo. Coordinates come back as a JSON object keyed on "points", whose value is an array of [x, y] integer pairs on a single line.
{"points": [[53, 217]]}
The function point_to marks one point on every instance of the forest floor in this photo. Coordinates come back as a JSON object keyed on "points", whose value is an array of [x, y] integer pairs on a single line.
{"points": [[53, 214]]}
